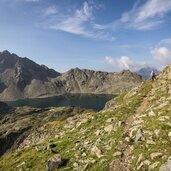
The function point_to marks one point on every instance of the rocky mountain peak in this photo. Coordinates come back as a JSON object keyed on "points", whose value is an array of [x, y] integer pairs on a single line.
{"points": [[5, 52], [146, 71], [23, 78]]}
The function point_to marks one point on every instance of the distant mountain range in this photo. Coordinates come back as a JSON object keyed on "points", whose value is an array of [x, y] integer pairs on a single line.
{"points": [[23, 78], [146, 71]]}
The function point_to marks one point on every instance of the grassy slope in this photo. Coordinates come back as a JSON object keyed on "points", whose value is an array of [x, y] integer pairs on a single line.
{"points": [[75, 137]]}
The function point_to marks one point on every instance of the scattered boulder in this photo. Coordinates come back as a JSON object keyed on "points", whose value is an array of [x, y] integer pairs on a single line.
{"points": [[169, 134], [54, 162], [75, 165], [150, 142], [82, 149], [109, 120], [50, 146], [139, 135], [153, 166], [108, 128], [140, 158], [95, 150], [151, 113], [140, 166], [166, 166], [84, 120], [157, 132], [84, 155], [127, 139], [117, 153], [155, 155], [98, 132], [147, 162]]}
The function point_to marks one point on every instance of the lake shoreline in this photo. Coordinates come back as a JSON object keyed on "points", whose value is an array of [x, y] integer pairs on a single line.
{"points": [[88, 101]]}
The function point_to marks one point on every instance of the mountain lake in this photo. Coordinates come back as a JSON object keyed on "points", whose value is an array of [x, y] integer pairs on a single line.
{"points": [[87, 101]]}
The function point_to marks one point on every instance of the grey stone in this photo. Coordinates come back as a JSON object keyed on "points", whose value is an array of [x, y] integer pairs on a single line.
{"points": [[108, 128], [156, 155], [54, 162], [139, 135], [140, 158], [95, 150], [166, 166], [117, 153], [153, 166]]}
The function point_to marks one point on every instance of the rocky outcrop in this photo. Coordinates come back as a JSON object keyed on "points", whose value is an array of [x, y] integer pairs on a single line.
{"points": [[89, 81], [16, 124], [19, 76], [54, 162], [11, 138], [23, 78], [166, 166]]}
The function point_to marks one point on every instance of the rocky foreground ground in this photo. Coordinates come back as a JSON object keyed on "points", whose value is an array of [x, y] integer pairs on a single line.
{"points": [[133, 132]]}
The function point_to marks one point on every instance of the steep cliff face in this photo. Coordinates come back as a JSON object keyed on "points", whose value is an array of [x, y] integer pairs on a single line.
{"points": [[19, 75], [23, 78], [133, 132], [89, 81]]}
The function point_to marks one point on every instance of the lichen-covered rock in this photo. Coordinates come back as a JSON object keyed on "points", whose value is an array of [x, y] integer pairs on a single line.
{"points": [[154, 165], [156, 155], [108, 128], [151, 113], [169, 134], [166, 166], [95, 150], [54, 162], [139, 136], [150, 142], [140, 158], [117, 153]]}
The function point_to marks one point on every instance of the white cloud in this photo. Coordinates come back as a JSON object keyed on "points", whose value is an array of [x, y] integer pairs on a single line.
{"points": [[162, 55], [146, 16], [124, 62], [80, 22], [51, 10], [74, 24], [165, 42]]}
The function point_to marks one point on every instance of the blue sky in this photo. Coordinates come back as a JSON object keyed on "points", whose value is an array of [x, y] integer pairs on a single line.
{"points": [[93, 34]]}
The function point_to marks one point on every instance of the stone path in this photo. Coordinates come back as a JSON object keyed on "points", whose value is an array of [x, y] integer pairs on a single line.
{"points": [[121, 163]]}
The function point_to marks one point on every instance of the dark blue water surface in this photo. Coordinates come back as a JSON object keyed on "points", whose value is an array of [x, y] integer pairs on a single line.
{"points": [[88, 101]]}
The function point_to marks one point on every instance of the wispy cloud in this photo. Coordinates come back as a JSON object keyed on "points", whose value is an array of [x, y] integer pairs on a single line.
{"points": [[51, 10], [80, 22], [75, 24], [165, 42], [162, 55], [124, 62], [145, 16]]}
